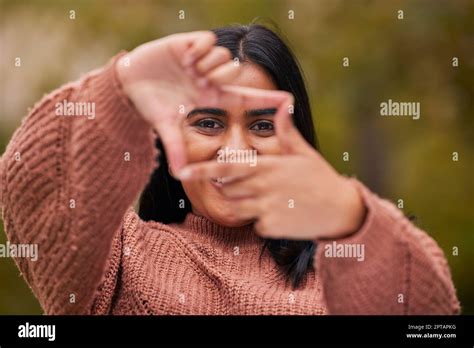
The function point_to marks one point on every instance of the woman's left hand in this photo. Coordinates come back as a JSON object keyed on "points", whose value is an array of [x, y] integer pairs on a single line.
{"points": [[296, 195]]}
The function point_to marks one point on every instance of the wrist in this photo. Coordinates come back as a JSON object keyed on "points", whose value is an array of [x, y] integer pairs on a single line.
{"points": [[353, 210], [122, 69]]}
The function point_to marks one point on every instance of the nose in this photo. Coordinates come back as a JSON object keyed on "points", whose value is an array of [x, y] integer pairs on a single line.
{"points": [[237, 147], [237, 139]]}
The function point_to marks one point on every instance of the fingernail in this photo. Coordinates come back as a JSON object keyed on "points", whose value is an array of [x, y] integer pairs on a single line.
{"points": [[184, 174]]}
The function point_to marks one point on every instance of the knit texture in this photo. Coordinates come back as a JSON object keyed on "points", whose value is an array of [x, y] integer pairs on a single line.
{"points": [[67, 184]]}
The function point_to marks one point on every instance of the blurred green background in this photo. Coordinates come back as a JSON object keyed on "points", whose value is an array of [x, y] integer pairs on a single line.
{"points": [[407, 59]]}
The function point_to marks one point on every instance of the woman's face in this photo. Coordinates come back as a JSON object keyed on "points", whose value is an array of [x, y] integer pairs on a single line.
{"points": [[231, 128]]}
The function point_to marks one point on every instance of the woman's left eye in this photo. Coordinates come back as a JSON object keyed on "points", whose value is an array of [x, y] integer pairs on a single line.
{"points": [[262, 126]]}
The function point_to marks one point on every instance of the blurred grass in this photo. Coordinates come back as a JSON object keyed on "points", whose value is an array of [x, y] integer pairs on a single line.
{"points": [[402, 60]]}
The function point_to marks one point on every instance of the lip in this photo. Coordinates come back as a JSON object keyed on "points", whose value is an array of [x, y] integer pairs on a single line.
{"points": [[221, 181], [216, 183]]}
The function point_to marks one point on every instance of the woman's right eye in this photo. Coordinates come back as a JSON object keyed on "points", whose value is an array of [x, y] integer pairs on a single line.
{"points": [[209, 125]]}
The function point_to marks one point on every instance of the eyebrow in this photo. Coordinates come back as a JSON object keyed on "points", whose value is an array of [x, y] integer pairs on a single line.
{"points": [[221, 112], [209, 111], [261, 112]]}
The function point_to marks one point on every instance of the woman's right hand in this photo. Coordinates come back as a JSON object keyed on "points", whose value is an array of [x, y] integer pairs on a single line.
{"points": [[180, 70]]}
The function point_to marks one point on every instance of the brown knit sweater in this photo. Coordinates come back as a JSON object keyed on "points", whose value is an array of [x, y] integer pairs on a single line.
{"points": [[67, 184]]}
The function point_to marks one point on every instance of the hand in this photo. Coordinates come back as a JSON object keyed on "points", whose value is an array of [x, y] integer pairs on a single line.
{"points": [[178, 71], [296, 195]]}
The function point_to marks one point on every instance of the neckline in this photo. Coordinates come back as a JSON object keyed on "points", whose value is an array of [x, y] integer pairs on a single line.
{"points": [[205, 228]]}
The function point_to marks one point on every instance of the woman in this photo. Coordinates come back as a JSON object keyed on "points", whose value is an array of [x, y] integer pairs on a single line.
{"points": [[287, 235]]}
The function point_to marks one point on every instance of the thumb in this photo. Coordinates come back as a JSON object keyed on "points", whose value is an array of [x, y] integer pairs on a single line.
{"points": [[291, 140], [165, 121], [172, 138]]}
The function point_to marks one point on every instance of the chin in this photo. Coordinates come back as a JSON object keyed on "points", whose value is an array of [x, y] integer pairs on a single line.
{"points": [[226, 217], [221, 212], [210, 203]]}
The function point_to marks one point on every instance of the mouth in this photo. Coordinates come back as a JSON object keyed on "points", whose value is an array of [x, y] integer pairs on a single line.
{"points": [[221, 181]]}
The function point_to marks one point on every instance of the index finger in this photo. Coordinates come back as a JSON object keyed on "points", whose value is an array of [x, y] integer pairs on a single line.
{"points": [[249, 97]]}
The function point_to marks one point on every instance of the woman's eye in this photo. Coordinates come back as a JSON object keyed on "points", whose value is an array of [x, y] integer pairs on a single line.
{"points": [[263, 126], [208, 124]]}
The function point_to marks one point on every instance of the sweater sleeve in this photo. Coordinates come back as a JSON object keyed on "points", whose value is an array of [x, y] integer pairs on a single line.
{"points": [[66, 183], [389, 266]]}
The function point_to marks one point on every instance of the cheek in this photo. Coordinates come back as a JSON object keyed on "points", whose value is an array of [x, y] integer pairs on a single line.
{"points": [[267, 146], [200, 147]]}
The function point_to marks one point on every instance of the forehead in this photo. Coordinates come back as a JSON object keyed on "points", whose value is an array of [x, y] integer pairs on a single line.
{"points": [[252, 75]]}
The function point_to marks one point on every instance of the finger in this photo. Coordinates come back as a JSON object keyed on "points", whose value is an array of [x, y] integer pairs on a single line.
{"points": [[262, 229], [265, 226], [216, 57], [212, 169], [253, 98], [201, 43], [223, 74], [291, 140], [283, 118], [170, 132], [247, 187], [173, 142]]}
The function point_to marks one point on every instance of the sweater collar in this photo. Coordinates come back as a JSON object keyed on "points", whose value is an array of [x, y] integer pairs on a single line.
{"points": [[206, 229]]}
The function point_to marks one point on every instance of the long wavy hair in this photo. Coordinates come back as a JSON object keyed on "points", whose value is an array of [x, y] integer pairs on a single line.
{"points": [[256, 44]]}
